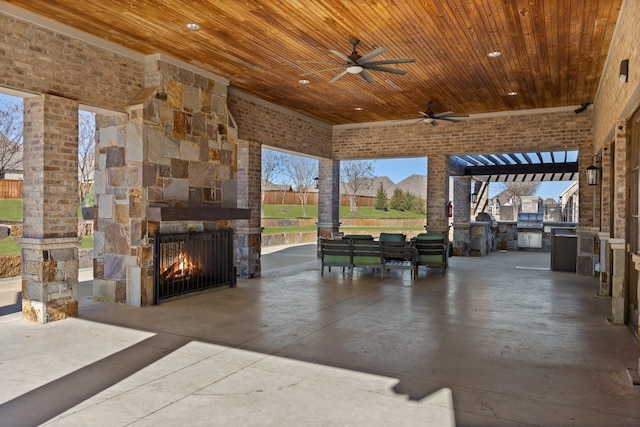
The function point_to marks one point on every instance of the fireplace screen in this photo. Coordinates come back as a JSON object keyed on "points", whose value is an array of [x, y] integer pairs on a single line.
{"points": [[188, 262]]}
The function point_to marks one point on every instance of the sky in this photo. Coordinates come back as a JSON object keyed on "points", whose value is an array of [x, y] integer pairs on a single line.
{"points": [[399, 169]]}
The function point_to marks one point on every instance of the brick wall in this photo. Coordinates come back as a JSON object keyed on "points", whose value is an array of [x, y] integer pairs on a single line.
{"points": [[562, 130], [262, 122], [615, 99], [38, 60]]}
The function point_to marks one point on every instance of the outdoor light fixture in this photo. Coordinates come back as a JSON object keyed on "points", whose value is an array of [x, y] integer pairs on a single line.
{"points": [[582, 108], [316, 179], [476, 190], [624, 71], [592, 171]]}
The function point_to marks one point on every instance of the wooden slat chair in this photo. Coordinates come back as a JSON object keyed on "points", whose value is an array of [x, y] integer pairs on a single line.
{"points": [[366, 253], [400, 256], [335, 253], [433, 251]]}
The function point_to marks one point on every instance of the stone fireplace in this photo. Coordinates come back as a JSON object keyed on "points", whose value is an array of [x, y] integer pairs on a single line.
{"points": [[169, 165]]}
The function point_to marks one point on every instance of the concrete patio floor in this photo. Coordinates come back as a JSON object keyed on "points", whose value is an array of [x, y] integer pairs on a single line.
{"points": [[498, 341]]}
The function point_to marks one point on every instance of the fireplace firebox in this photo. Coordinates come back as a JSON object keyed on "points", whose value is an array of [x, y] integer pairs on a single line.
{"points": [[189, 262]]}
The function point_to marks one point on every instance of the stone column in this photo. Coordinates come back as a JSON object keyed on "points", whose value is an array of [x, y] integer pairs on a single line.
{"points": [[438, 194], [328, 198], [50, 235], [461, 215], [586, 256], [605, 265], [249, 232], [618, 293], [634, 375]]}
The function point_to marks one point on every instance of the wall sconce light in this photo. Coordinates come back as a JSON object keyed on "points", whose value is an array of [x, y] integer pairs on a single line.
{"points": [[315, 180], [624, 70], [476, 190], [592, 171]]}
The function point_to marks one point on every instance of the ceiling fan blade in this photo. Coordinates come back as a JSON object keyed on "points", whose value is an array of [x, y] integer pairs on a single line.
{"points": [[434, 123], [338, 76], [448, 119], [392, 61], [417, 121], [366, 76], [321, 71], [385, 69], [341, 56], [372, 55]]}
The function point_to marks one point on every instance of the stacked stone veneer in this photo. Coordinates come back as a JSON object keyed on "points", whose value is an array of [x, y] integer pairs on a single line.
{"points": [[173, 148]]}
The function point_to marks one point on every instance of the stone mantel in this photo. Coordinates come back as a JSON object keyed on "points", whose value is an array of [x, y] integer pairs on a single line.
{"points": [[163, 213]]}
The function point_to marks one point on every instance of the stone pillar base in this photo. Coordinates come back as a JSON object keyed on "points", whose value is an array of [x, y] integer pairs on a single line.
{"points": [[248, 250], [618, 297], [49, 278], [461, 238], [605, 265]]}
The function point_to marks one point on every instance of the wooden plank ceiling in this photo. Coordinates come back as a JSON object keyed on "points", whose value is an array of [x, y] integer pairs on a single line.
{"points": [[553, 51]]}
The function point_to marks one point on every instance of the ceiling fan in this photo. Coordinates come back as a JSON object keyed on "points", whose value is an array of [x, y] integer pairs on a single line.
{"points": [[430, 117], [358, 64]]}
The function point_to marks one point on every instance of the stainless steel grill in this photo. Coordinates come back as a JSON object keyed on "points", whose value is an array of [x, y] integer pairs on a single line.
{"points": [[530, 227], [530, 220]]}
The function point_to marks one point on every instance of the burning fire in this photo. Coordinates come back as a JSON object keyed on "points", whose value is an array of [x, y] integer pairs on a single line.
{"points": [[181, 268]]}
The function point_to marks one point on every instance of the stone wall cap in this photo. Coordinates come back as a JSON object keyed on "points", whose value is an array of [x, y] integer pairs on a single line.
{"points": [[48, 243]]}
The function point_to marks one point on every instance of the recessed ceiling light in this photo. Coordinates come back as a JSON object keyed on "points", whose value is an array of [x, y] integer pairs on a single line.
{"points": [[303, 81], [192, 26], [494, 54], [358, 108], [512, 93]]}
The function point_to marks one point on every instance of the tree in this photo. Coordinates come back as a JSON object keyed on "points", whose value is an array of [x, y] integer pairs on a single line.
{"points": [[382, 202], [356, 177], [302, 171], [397, 200], [272, 162], [515, 190], [410, 202], [86, 156], [10, 137]]}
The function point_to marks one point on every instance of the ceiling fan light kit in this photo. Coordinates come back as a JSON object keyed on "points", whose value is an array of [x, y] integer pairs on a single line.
{"points": [[358, 64], [429, 116]]}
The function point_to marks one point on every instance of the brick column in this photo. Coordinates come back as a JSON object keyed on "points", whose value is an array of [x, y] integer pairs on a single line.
{"points": [[50, 235], [328, 197], [619, 182], [607, 193], [249, 232], [438, 193]]}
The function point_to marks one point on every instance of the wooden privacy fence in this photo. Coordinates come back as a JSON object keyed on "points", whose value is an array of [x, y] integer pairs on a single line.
{"points": [[10, 189], [291, 198]]}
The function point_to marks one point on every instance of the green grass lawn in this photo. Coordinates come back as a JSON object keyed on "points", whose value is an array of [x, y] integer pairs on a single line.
{"points": [[11, 209], [363, 212], [8, 246]]}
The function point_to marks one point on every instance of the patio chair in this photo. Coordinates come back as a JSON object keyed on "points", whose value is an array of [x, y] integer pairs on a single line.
{"points": [[335, 253], [433, 251]]}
